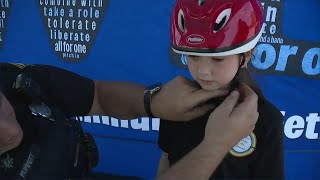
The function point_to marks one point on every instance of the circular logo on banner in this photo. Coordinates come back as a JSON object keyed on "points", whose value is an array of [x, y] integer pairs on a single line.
{"points": [[245, 147], [72, 25]]}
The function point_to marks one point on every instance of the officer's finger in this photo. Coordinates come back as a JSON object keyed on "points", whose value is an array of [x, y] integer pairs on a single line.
{"points": [[247, 94], [182, 82], [199, 111], [230, 102], [201, 96]]}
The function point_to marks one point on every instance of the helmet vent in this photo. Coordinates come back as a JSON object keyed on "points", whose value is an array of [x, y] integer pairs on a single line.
{"points": [[201, 2], [222, 20], [181, 22]]}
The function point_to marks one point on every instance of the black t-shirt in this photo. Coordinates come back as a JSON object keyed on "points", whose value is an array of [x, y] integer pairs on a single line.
{"points": [[259, 156]]}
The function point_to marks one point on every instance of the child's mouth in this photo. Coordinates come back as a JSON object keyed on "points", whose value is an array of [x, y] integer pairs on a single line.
{"points": [[206, 82]]}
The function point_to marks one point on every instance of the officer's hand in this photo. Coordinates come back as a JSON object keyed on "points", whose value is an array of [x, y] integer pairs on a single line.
{"points": [[234, 119], [182, 100]]}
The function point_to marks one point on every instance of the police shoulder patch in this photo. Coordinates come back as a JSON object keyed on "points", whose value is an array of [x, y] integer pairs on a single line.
{"points": [[245, 147]]}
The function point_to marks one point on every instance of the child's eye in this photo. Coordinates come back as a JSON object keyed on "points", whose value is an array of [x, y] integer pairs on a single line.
{"points": [[217, 60]]}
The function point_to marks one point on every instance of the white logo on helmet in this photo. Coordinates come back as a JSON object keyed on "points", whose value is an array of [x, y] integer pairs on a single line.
{"points": [[195, 39]]}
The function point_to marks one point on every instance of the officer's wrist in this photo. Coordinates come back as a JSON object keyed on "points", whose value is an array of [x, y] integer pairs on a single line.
{"points": [[149, 95]]}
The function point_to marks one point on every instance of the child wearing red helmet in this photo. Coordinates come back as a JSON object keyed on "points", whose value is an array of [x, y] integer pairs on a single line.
{"points": [[217, 37]]}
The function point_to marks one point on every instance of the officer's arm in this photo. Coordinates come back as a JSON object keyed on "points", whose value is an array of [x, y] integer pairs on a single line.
{"points": [[118, 99], [163, 163], [177, 100]]}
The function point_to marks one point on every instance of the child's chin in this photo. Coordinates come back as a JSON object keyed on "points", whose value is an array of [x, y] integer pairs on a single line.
{"points": [[213, 88], [209, 88]]}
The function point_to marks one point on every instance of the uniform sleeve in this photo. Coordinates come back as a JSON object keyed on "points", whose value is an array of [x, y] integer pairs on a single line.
{"points": [[72, 93], [164, 135], [270, 162]]}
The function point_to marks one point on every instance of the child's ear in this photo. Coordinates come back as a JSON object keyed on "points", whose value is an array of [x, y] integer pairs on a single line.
{"points": [[248, 56]]}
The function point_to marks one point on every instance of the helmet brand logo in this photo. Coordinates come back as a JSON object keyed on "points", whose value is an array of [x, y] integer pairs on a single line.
{"points": [[195, 39]]}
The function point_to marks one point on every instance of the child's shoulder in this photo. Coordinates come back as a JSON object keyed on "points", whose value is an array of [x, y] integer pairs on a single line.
{"points": [[269, 113]]}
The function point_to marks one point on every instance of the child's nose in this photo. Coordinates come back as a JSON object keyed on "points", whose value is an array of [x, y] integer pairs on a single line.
{"points": [[204, 67]]}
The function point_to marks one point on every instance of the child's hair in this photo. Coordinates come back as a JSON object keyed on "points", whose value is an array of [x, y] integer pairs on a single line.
{"points": [[245, 77]]}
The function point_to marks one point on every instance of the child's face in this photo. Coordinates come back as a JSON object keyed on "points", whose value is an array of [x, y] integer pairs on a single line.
{"points": [[213, 73]]}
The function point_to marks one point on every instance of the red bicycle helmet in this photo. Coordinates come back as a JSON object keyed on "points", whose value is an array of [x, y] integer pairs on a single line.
{"points": [[216, 27]]}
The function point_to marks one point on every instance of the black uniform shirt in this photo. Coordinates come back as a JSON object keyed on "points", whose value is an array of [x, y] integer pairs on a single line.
{"points": [[73, 94], [70, 92], [263, 160]]}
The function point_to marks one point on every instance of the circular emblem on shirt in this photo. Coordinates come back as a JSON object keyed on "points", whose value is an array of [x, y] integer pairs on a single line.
{"points": [[245, 147]]}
